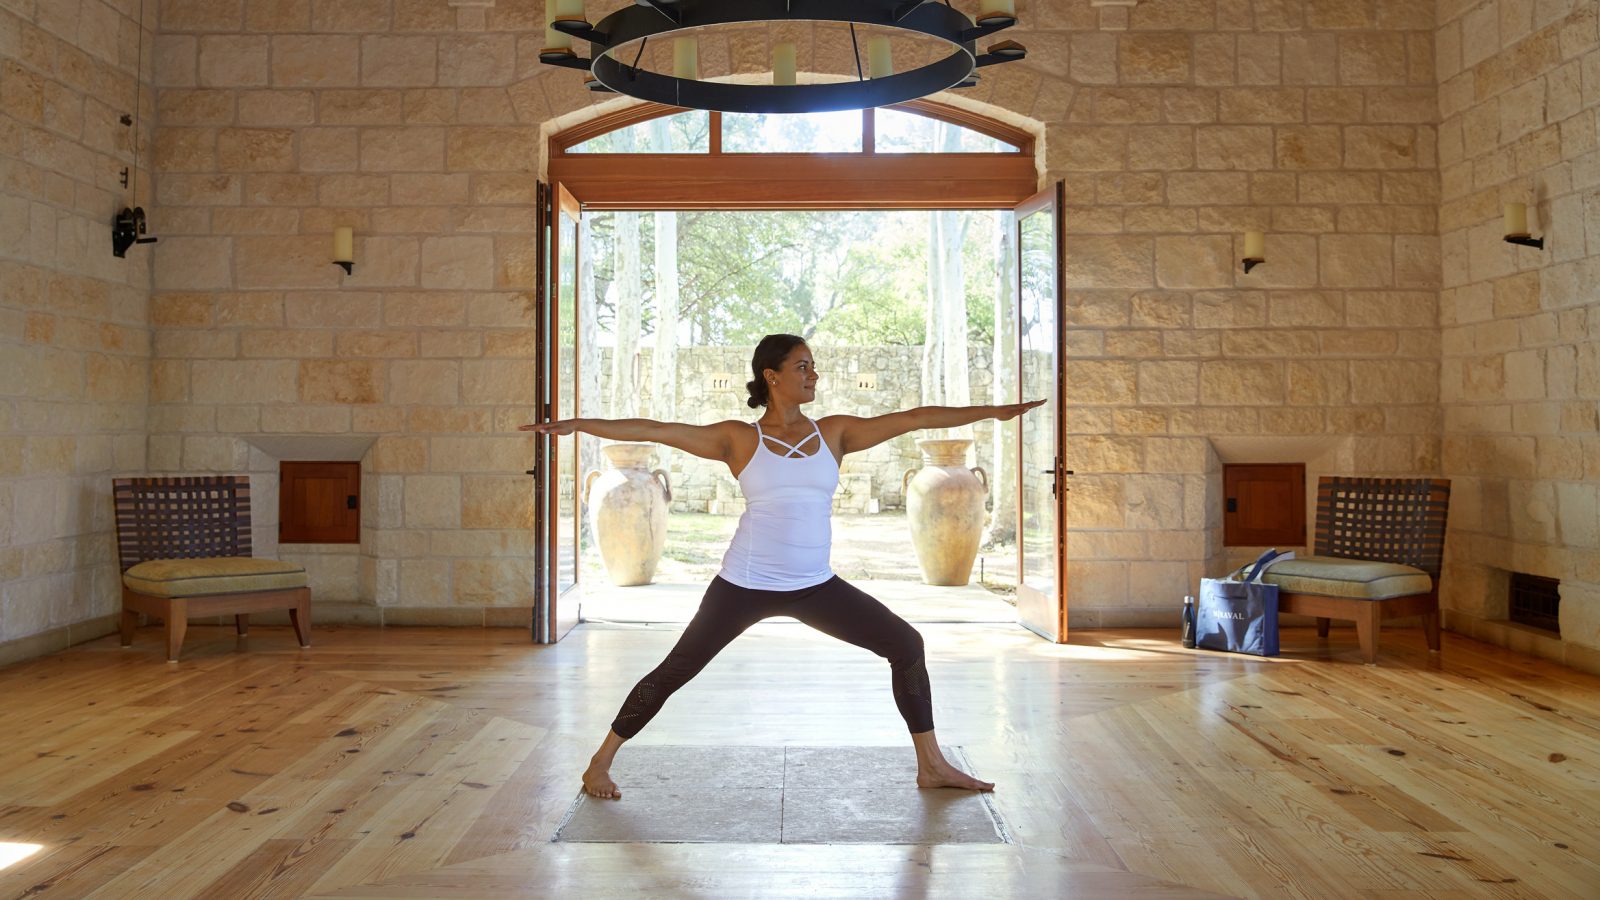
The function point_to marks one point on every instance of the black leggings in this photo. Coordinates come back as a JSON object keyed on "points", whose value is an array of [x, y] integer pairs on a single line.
{"points": [[833, 607]]}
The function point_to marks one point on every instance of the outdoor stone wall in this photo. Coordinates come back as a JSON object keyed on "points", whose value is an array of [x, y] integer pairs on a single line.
{"points": [[74, 336], [1519, 93], [702, 486]]}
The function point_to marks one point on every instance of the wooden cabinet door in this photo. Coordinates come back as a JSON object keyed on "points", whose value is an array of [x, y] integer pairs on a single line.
{"points": [[319, 503], [1265, 505]]}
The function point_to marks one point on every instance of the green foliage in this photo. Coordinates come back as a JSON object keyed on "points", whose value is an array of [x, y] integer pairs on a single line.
{"points": [[839, 277]]}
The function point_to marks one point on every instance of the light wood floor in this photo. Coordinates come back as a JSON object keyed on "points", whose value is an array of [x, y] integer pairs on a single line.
{"points": [[439, 763]]}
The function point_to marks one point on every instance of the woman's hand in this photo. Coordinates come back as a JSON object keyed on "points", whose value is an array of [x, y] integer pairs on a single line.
{"points": [[1009, 412], [562, 428]]}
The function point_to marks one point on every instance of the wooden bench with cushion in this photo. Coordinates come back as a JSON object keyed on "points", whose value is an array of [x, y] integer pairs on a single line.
{"points": [[184, 547], [1379, 546]]}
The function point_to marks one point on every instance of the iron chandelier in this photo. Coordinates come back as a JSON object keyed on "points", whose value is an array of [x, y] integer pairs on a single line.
{"points": [[613, 63]]}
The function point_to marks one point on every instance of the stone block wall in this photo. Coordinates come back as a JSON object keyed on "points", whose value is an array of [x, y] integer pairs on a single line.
{"points": [[1310, 121], [1175, 128], [1175, 125], [1520, 380], [74, 337], [417, 124]]}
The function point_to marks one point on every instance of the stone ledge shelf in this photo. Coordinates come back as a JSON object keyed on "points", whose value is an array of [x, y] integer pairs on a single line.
{"points": [[314, 447]]}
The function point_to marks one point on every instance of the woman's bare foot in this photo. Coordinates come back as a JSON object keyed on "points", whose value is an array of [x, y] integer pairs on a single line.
{"points": [[948, 776], [597, 783], [597, 778], [934, 771]]}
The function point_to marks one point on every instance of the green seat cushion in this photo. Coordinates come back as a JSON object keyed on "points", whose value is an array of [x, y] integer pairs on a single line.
{"points": [[212, 575], [1358, 579]]}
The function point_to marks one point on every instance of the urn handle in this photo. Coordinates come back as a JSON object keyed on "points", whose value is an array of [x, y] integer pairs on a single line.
{"points": [[905, 480], [588, 480], [666, 482], [982, 476]]}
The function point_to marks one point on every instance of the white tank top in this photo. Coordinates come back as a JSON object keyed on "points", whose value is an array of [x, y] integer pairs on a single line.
{"points": [[784, 536]]}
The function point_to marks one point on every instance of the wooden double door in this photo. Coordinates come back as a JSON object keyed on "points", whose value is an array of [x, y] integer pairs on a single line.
{"points": [[1041, 511]]}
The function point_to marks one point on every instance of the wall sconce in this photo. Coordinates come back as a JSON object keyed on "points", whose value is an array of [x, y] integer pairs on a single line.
{"points": [[1516, 216], [1255, 252], [344, 248], [127, 229]]}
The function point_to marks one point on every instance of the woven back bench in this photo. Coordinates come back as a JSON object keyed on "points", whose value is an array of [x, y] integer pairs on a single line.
{"points": [[1379, 547], [184, 547]]}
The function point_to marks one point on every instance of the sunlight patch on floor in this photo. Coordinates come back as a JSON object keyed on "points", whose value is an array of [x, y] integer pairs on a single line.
{"points": [[12, 853]]}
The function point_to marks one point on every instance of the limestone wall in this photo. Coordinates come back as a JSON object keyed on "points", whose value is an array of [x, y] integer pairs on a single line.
{"points": [[1311, 121], [1519, 93], [74, 338], [416, 123], [1175, 125]]}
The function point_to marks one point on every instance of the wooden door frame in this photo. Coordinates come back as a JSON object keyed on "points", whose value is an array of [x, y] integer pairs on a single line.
{"points": [[556, 201], [734, 181], [778, 181]]}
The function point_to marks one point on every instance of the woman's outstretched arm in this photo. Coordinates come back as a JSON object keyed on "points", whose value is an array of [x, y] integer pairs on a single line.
{"points": [[857, 433], [714, 441]]}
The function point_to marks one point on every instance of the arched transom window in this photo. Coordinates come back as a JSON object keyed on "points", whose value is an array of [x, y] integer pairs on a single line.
{"points": [[920, 155]]}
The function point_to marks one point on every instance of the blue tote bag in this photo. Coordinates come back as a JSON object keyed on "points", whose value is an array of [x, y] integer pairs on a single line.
{"points": [[1240, 616]]}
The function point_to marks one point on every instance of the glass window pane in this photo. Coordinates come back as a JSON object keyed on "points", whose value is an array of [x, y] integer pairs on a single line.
{"points": [[828, 132], [1039, 361], [902, 132], [685, 132], [567, 403]]}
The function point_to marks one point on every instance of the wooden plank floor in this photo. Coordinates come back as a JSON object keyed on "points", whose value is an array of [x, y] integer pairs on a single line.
{"points": [[439, 763]]}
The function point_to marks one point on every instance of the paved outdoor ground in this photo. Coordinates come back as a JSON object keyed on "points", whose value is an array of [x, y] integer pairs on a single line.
{"points": [[873, 552]]}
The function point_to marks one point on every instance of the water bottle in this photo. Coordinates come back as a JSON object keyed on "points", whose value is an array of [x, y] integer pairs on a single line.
{"points": [[1188, 622]]}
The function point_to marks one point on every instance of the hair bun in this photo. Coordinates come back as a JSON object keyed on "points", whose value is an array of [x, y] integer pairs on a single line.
{"points": [[757, 393]]}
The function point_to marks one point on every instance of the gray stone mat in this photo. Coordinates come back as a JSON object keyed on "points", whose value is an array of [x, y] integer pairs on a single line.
{"points": [[778, 795]]}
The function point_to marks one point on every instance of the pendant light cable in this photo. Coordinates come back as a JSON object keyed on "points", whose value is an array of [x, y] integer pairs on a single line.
{"points": [[138, 100]]}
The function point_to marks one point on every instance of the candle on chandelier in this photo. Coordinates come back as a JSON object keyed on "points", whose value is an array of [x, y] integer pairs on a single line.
{"points": [[999, 8], [570, 11], [783, 63], [686, 57], [553, 39], [880, 61]]}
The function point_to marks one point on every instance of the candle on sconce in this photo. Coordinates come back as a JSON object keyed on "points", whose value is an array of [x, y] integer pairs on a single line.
{"points": [[686, 57], [344, 247], [1255, 245], [880, 60], [1516, 220], [344, 244], [553, 39], [783, 63]]}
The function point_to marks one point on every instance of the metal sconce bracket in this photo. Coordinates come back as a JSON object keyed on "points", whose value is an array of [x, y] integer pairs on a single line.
{"points": [[1523, 240], [1251, 264]]}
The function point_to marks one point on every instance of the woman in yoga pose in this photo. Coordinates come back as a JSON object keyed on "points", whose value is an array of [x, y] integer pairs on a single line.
{"points": [[777, 564]]}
